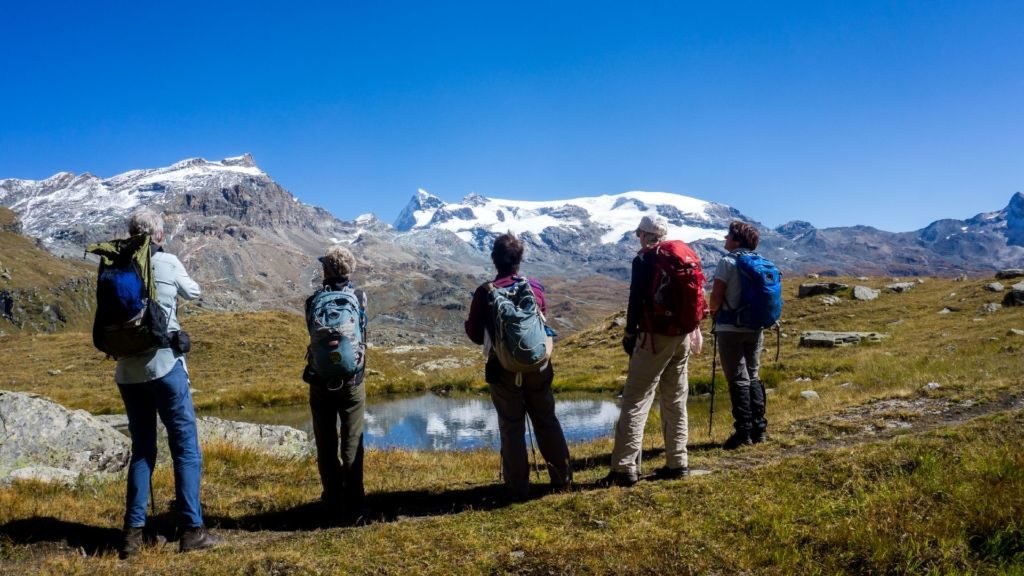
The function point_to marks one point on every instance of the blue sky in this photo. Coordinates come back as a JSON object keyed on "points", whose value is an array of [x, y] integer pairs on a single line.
{"points": [[891, 114]]}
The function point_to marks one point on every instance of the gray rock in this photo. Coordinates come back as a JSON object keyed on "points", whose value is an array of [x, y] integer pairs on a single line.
{"points": [[945, 311], [991, 308], [816, 288], [829, 300], [281, 441], [994, 287], [1015, 297], [809, 395], [1015, 332], [899, 287], [824, 339], [37, 432], [960, 278], [932, 386], [865, 293], [813, 276], [45, 474], [1009, 273]]}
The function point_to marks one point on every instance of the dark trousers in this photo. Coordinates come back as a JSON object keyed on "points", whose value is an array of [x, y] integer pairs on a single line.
{"points": [[740, 353], [513, 403], [342, 479]]}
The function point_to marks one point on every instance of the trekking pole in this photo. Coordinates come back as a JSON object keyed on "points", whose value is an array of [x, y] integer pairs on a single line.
{"points": [[536, 463], [778, 340], [714, 359]]}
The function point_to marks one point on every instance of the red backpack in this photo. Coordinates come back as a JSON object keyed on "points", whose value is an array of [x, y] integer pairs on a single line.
{"points": [[676, 298]]}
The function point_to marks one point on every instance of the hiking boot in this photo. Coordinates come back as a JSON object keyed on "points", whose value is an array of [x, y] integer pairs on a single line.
{"points": [[666, 473], [134, 539], [617, 478], [758, 436], [198, 538], [738, 438]]}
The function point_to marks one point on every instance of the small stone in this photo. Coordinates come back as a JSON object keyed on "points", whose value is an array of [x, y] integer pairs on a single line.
{"points": [[517, 554], [932, 386], [809, 395], [1015, 332], [961, 278], [945, 311], [900, 287], [813, 276], [53, 372], [991, 308], [920, 280], [829, 300], [846, 384], [994, 287]]}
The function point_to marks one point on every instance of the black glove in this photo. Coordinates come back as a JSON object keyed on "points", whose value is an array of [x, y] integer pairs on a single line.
{"points": [[628, 343]]}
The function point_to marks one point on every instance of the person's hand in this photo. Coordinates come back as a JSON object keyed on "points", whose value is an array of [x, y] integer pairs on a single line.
{"points": [[696, 341], [629, 342]]}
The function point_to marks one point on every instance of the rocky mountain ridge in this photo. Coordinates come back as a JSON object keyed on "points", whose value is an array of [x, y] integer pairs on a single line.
{"points": [[252, 245]]}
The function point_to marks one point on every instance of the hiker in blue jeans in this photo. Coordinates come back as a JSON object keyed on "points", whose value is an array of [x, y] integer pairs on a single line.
{"points": [[156, 383]]}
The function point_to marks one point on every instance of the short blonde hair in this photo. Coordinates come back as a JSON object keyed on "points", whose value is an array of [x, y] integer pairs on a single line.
{"points": [[145, 221], [338, 262]]}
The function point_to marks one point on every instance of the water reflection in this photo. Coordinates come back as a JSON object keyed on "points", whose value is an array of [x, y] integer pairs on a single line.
{"points": [[432, 422]]}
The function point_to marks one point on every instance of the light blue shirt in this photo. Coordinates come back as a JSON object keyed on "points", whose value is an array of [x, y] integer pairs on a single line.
{"points": [[171, 281], [727, 273]]}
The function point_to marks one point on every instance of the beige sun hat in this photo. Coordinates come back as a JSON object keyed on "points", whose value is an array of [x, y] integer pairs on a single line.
{"points": [[653, 225]]}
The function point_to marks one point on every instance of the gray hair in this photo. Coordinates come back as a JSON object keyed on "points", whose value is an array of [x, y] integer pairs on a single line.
{"points": [[145, 221], [338, 262]]}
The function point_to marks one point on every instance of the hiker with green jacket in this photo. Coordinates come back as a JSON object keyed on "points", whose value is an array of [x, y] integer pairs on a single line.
{"points": [[335, 371], [157, 382], [518, 395]]}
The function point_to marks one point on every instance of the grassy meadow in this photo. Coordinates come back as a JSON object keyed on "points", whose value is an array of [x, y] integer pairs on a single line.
{"points": [[908, 462]]}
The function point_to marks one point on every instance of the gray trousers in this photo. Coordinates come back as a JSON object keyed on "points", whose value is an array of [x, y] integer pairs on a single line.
{"points": [[342, 480], [658, 363], [740, 353], [513, 404]]}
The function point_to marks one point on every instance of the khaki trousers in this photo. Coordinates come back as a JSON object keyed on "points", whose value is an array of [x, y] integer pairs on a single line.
{"points": [[659, 367]]}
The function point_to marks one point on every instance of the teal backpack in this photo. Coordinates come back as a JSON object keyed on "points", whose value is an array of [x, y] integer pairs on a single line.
{"points": [[521, 340], [337, 333]]}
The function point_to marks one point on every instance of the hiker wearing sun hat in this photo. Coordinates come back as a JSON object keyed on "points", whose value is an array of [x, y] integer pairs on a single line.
{"points": [[666, 305]]}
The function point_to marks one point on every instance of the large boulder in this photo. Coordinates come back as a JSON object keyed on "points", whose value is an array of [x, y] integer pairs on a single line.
{"points": [[864, 293], [282, 441], [38, 434], [1010, 273], [815, 288], [1015, 297]]}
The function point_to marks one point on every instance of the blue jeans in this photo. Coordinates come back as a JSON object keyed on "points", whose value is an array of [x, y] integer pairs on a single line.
{"points": [[170, 397]]}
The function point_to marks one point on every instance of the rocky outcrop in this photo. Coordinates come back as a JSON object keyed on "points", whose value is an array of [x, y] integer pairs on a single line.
{"points": [[900, 287], [40, 435], [1015, 297], [816, 288], [281, 441], [824, 339], [1010, 273]]}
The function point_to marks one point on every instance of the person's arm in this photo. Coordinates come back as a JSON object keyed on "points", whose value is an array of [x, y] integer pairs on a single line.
{"points": [[477, 311], [187, 287], [639, 279], [717, 296]]}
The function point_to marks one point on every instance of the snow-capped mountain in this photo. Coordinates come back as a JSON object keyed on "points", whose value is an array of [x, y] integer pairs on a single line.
{"points": [[252, 245], [608, 219]]}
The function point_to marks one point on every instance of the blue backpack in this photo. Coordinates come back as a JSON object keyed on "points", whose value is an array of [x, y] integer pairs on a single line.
{"points": [[129, 320], [522, 343], [760, 293], [337, 330]]}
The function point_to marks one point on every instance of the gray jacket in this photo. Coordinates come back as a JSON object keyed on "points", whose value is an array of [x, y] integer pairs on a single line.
{"points": [[171, 281]]}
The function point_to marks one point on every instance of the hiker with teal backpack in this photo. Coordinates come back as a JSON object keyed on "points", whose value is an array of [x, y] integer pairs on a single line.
{"points": [[506, 317], [136, 323], [335, 369], [666, 306], [745, 299]]}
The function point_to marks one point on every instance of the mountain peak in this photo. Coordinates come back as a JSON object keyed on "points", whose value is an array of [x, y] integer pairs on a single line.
{"points": [[419, 210], [245, 161]]}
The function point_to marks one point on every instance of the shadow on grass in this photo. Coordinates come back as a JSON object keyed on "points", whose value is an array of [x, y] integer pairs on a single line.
{"points": [[93, 540]]}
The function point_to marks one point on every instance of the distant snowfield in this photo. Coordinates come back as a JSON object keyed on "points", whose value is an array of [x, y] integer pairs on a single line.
{"points": [[616, 214]]}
